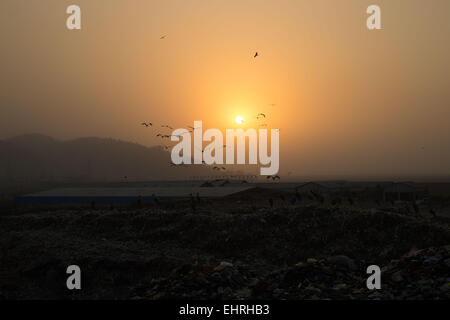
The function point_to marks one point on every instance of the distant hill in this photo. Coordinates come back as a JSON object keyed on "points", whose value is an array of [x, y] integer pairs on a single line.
{"points": [[35, 157]]}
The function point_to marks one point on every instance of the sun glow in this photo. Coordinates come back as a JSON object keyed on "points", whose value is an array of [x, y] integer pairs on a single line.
{"points": [[239, 120]]}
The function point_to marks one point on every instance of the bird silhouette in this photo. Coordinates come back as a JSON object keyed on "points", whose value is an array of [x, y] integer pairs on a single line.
{"points": [[260, 115], [147, 124], [256, 55], [163, 37]]}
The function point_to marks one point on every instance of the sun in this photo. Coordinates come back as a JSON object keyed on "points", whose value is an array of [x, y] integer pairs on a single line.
{"points": [[239, 120]]}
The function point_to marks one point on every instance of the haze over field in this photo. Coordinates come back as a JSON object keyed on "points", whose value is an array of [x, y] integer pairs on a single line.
{"points": [[113, 186], [347, 101]]}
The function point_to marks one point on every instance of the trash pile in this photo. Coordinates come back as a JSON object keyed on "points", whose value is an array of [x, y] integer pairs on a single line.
{"points": [[420, 274], [225, 250]]}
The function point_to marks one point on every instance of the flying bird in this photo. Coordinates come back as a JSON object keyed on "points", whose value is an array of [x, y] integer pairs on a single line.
{"points": [[166, 126], [256, 55], [163, 37], [147, 124]]}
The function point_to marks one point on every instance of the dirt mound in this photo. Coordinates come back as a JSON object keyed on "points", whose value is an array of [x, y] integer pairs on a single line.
{"points": [[123, 250], [422, 274]]}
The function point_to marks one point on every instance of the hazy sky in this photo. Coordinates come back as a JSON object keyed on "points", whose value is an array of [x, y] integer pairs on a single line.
{"points": [[348, 100]]}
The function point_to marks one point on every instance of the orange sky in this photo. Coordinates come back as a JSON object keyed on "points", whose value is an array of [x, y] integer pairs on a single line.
{"points": [[348, 100]]}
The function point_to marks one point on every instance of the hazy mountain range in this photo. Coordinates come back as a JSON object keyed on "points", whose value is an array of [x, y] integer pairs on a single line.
{"points": [[35, 157]]}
